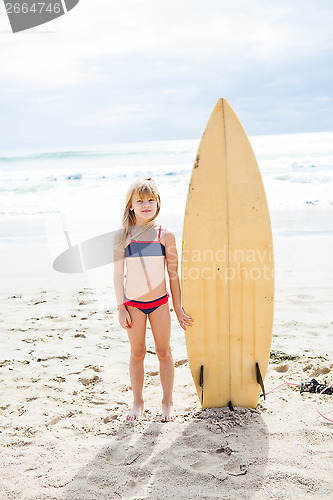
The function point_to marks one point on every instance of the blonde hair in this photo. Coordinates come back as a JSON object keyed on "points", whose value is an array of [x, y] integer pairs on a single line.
{"points": [[143, 186]]}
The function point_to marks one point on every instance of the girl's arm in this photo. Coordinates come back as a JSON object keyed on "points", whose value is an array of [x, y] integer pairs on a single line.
{"points": [[171, 256], [118, 281], [118, 273]]}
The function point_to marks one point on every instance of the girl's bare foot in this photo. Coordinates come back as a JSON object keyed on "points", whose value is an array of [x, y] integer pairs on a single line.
{"points": [[168, 413], [135, 412]]}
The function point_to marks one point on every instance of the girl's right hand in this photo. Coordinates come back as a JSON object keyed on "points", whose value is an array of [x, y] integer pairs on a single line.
{"points": [[125, 318]]}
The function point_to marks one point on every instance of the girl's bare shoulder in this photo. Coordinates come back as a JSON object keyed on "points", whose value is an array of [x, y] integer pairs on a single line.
{"points": [[167, 236], [119, 237]]}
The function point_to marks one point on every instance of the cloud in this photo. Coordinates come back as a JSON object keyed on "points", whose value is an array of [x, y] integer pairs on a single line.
{"points": [[106, 68], [117, 115]]}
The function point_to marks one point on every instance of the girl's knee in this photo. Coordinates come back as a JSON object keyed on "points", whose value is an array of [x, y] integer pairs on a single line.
{"points": [[138, 354], [163, 354]]}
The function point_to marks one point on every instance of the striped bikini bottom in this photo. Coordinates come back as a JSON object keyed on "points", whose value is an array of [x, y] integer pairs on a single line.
{"points": [[149, 306]]}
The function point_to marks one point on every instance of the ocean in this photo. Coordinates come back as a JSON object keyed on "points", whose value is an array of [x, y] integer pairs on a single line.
{"points": [[83, 189]]}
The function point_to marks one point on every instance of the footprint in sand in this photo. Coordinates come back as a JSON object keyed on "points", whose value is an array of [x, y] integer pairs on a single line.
{"points": [[181, 362], [110, 418], [205, 465], [320, 371], [282, 368], [88, 376], [94, 367], [54, 421], [90, 381]]}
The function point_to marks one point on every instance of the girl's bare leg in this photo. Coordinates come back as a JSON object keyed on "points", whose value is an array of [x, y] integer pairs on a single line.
{"points": [[137, 337], [160, 322]]}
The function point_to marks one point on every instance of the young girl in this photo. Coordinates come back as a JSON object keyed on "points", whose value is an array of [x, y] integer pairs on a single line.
{"points": [[146, 247]]}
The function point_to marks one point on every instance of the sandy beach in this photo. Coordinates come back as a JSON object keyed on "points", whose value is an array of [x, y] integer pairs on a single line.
{"points": [[66, 391]]}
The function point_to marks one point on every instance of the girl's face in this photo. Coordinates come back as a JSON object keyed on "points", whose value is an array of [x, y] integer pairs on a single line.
{"points": [[144, 208]]}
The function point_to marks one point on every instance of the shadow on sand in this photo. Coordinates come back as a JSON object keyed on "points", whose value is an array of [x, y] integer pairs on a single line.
{"points": [[215, 453]]}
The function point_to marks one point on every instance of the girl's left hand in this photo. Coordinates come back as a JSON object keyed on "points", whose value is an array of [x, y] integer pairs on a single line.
{"points": [[183, 318]]}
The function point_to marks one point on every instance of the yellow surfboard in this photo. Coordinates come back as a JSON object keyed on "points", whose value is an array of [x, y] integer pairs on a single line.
{"points": [[227, 269]]}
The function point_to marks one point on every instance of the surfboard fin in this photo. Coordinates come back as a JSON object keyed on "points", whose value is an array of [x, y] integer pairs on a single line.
{"points": [[260, 380], [201, 382]]}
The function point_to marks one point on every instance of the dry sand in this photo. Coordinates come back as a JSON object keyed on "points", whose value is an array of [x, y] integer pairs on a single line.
{"points": [[65, 392]]}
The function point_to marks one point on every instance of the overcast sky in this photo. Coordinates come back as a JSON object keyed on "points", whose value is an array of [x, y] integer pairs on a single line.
{"points": [[146, 70]]}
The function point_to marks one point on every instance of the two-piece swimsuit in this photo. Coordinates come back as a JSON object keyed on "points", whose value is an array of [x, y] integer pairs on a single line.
{"points": [[145, 249]]}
